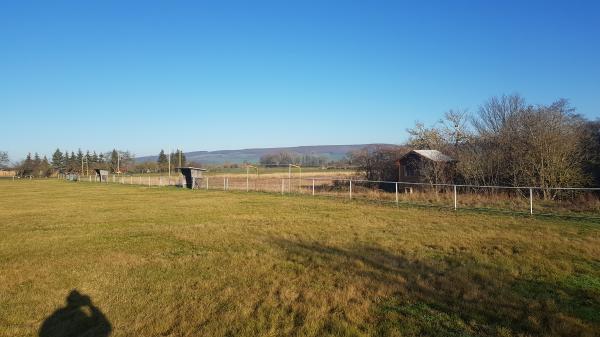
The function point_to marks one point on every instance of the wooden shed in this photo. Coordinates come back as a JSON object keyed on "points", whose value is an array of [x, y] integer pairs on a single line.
{"points": [[419, 166], [193, 176], [102, 175]]}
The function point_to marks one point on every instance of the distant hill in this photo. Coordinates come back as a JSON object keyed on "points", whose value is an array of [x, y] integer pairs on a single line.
{"points": [[333, 152]]}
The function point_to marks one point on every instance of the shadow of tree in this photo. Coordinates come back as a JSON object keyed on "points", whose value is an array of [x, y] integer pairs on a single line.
{"points": [[79, 317], [453, 295]]}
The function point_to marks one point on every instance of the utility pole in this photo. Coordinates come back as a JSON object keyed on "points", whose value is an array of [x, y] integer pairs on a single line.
{"points": [[87, 166], [118, 163], [169, 159]]}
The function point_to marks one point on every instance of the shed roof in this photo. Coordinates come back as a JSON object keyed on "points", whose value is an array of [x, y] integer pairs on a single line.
{"points": [[191, 168], [433, 155]]}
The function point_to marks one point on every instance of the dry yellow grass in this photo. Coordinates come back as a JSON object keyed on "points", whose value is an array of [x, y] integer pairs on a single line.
{"points": [[172, 262], [336, 184]]}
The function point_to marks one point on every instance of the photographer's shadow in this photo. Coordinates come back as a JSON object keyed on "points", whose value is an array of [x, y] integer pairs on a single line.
{"points": [[78, 318]]}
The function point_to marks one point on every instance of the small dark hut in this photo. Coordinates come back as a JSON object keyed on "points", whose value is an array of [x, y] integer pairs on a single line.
{"points": [[193, 176], [102, 174]]}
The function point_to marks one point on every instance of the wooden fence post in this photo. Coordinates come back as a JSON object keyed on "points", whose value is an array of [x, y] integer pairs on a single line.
{"points": [[350, 188], [530, 200]]}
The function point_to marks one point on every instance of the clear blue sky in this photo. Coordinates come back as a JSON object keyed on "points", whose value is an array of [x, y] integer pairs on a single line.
{"points": [[224, 75]]}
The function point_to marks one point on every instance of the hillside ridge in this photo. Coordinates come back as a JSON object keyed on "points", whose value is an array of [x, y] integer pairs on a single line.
{"points": [[332, 152]]}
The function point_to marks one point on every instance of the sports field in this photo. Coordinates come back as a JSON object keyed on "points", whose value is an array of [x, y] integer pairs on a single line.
{"points": [[136, 261]]}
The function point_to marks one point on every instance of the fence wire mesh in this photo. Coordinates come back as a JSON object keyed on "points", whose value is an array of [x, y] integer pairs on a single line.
{"points": [[533, 200]]}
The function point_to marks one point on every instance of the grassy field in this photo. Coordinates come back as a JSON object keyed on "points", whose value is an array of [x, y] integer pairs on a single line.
{"points": [[173, 262]]}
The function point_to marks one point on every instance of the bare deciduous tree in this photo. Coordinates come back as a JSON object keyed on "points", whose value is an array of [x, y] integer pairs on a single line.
{"points": [[512, 143]]}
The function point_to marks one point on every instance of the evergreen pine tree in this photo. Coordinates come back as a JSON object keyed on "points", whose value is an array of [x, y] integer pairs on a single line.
{"points": [[73, 162], [66, 161], [163, 160], [35, 167], [114, 160], [175, 159], [57, 160], [79, 159], [94, 160], [27, 167], [44, 168]]}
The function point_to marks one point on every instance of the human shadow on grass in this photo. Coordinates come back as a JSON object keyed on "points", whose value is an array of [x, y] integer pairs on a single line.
{"points": [[79, 317], [450, 295]]}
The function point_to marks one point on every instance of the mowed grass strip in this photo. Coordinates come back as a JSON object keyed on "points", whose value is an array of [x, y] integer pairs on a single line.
{"points": [[173, 262]]}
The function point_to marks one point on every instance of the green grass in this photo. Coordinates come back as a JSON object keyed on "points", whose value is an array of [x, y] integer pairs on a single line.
{"points": [[173, 262]]}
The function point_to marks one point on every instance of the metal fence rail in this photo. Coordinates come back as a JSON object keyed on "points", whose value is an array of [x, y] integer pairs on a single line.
{"points": [[523, 199]]}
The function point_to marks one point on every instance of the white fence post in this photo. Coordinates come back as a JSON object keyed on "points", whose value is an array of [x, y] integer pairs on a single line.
{"points": [[455, 199], [282, 185], [350, 188], [148, 181], [313, 187], [207, 183], [224, 186], [396, 193], [530, 200]]}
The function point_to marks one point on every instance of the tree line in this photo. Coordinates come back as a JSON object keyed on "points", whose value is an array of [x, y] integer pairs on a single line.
{"points": [[506, 142], [163, 160], [79, 162], [283, 158]]}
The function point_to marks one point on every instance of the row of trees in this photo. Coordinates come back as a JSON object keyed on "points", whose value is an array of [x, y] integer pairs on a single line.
{"points": [[114, 161], [162, 162], [175, 159], [79, 162], [506, 142], [286, 158], [85, 163], [35, 166]]}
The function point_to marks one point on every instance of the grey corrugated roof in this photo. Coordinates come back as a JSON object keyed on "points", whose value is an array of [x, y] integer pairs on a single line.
{"points": [[434, 155]]}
